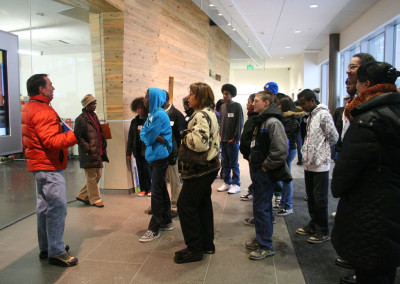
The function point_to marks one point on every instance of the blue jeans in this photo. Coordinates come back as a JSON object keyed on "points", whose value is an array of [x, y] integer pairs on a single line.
{"points": [[287, 187], [262, 207], [51, 210], [160, 202], [230, 162]]}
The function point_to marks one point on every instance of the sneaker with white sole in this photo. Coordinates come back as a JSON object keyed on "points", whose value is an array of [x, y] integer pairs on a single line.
{"points": [[284, 212], [167, 227], [234, 189], [319, 238], [246, 197], [149, 236], [249, 221], [224, 187], [261, 253]]}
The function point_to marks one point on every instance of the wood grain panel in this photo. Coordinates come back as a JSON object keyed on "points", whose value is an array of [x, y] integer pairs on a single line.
{"points": [[164, 38]]}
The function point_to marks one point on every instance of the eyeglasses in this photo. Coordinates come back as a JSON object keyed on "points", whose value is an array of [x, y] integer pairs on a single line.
{"points": [[352, 66]]}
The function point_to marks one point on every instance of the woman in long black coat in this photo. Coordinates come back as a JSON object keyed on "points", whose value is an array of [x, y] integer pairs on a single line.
{"points": [[366, 177]]}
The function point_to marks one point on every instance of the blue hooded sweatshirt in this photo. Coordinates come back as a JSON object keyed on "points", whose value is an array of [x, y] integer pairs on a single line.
{"points": [[157, 124]]}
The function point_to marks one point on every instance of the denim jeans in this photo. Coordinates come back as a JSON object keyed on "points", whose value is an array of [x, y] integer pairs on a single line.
{"points": [[317, 184], [287, 187], [144, 173], [262, 207], [160, 202], [51, 210], [230, 163]]}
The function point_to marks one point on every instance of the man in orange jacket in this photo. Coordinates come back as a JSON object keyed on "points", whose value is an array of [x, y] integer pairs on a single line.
{"points": [[46, 143]]}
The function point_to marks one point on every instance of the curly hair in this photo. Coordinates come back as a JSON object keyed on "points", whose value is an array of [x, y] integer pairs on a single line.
{"points": [[138, 103]]}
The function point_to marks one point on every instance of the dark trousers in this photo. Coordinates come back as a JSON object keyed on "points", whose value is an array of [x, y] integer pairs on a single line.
{"points": [[196, 213], [262, 207], [365, 276], [299, 144], [317, 184], [144, 173], [160, 202]]}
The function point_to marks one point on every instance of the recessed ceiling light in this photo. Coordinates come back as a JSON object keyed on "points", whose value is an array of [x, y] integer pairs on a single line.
{"points": [[249, 45], [229, 24], [211, 5], [287, 47], [219, 14], [314, 6], [297, 32], [233, 29]]}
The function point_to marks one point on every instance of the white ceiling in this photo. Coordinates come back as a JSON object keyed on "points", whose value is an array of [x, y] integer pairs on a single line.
{"points": [[268, 26]]}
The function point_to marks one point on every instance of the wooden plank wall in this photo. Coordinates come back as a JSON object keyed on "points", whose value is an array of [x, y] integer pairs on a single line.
{"points": [[164, 38]]}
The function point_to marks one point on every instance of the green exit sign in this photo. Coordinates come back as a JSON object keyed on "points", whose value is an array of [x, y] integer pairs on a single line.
{"points": [[249, 67]]}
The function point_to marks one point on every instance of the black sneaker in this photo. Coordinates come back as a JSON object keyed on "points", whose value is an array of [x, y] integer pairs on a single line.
{"points": [[319, 238], [45, 254], [307, 230], [149, 236], [246, 197], [65, 260], [167, 227], [249, 221]]}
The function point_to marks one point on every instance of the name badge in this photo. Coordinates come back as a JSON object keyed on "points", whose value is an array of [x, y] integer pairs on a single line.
{"points": [[231, 114], [139, 127], [172, 123], [253, 143]]}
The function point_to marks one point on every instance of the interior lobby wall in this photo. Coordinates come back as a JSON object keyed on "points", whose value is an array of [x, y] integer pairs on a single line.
{"points": [[172, 38]]}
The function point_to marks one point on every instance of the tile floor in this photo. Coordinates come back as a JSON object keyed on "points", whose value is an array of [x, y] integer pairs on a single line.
{"points": [[106, 242]]}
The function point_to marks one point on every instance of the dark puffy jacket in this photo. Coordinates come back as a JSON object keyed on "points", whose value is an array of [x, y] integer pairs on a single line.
{"points": [[292, 127], [366, 177], [247, 135], [86, 133]]}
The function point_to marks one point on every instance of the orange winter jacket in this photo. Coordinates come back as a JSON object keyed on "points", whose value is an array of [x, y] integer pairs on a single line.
{"points": [[45, 144]]}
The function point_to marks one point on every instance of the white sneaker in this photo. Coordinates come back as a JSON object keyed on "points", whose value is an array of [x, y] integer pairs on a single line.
{"points": [[224, 187], [234, 189]]}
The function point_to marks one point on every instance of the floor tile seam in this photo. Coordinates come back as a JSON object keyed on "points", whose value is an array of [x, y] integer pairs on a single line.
{"points": [[113, 261], [222, 214], [144, 262], [275, 272]]}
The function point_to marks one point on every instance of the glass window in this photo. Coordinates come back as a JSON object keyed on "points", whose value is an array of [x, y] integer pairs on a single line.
{"points": [[4, 117], [397, 52], [376, 47], [324, 95]]}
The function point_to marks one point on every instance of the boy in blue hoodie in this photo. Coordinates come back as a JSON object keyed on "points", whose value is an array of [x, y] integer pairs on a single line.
{"points": [[156, 133]]}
